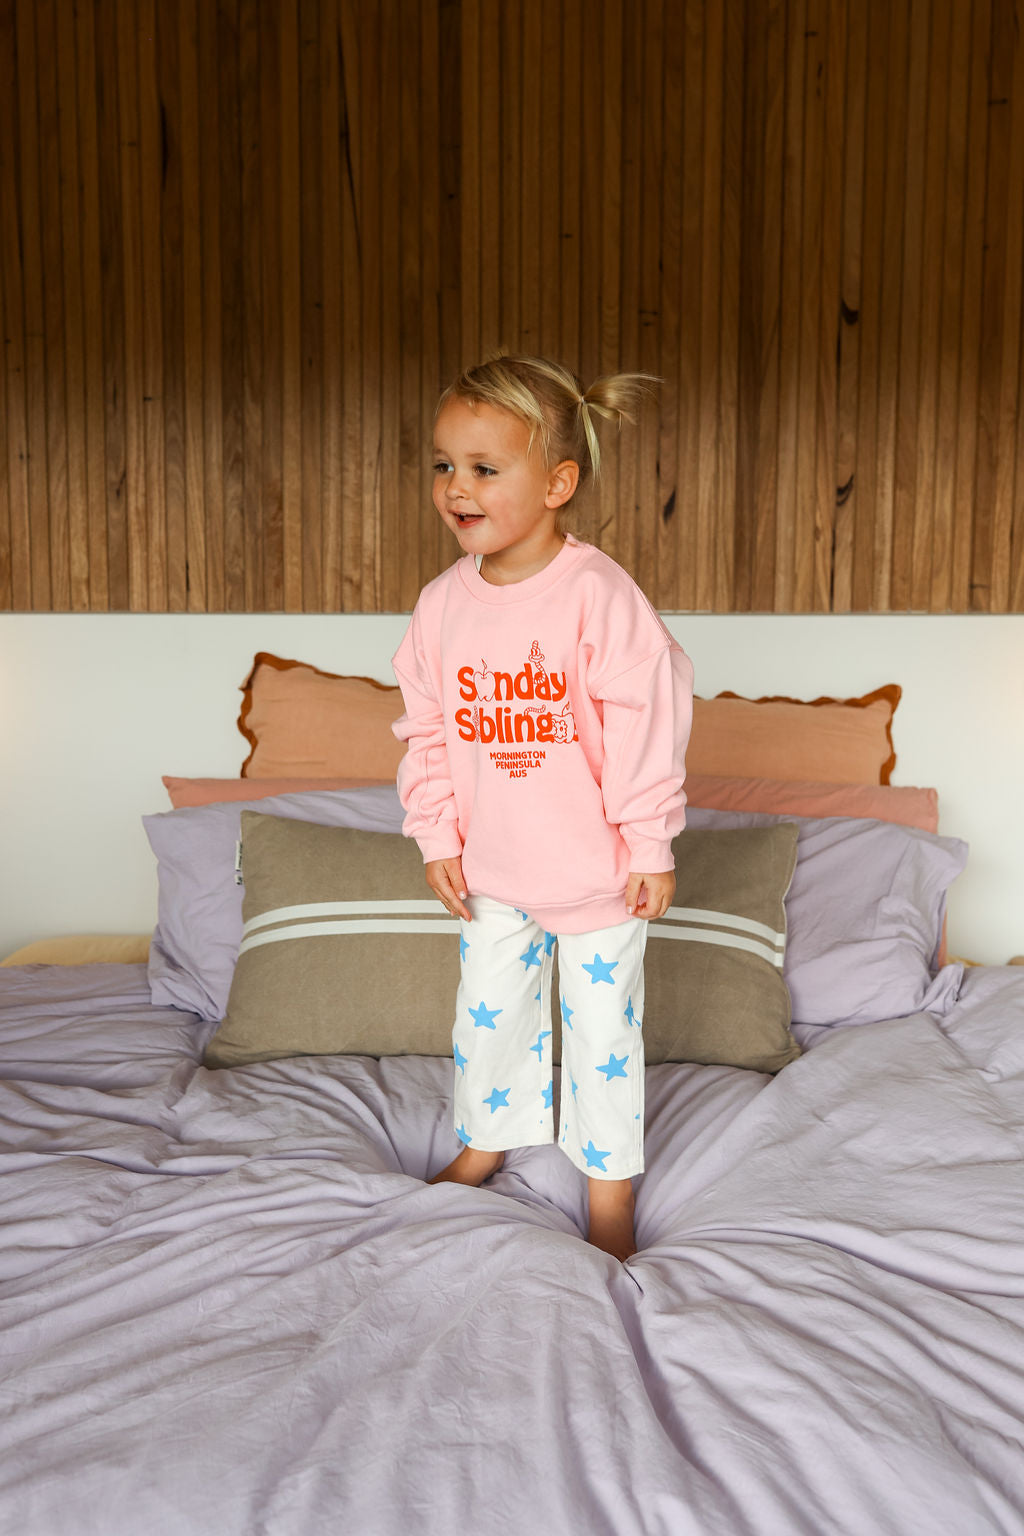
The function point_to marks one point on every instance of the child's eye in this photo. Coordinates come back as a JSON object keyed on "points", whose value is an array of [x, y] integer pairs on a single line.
{"points": [[442, 467], [485, 469]]}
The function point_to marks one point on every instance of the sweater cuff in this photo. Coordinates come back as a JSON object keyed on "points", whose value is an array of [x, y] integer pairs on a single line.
{"points": [[648, 857], [441, 842]]}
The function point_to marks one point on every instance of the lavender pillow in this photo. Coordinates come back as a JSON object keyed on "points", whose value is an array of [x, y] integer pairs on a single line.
{"points": [[864, 916], [195, 944]]}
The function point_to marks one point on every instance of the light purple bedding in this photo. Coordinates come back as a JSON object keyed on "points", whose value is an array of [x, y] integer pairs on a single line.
{"points": [[229, 1303]]}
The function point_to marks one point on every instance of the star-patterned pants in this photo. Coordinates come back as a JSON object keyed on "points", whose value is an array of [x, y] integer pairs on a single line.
{"points": [[504, 1086]]}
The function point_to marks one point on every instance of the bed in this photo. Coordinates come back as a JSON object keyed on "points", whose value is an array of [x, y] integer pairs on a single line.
{"points": [[231, 1303]]}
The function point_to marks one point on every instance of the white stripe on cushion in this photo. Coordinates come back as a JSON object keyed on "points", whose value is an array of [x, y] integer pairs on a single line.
{"points": [[352, 925], [725, 920], [340, 909], [714, 936]]}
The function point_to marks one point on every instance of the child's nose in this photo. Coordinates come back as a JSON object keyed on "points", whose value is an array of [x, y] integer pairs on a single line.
{"points": [[456, 489]]}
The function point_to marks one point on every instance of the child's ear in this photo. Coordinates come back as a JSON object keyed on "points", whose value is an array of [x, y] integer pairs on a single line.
{"points": [[562, 483]]}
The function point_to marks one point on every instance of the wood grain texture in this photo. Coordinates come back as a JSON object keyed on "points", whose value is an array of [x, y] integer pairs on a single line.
{"points": [[245, 243]]}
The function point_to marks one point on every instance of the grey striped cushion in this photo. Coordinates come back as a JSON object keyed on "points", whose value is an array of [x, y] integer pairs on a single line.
{"points": [[344, 950]]}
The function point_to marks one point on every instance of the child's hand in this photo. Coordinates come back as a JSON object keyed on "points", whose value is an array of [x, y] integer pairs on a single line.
{"points": [[444, 876], [650, 896]]}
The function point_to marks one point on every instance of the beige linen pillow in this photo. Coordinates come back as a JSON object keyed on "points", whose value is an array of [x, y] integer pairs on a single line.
{"points": [[345, 952], [713, 969]]}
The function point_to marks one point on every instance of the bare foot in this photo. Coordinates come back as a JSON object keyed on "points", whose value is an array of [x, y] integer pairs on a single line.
{"points": [[470, 1167], [611, 1217]]}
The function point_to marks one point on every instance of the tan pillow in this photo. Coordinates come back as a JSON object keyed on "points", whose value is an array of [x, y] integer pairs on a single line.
{"points": [[344, 951], [372, 970], [303, 723], [833, 741], [84, 949], [713, 968]]}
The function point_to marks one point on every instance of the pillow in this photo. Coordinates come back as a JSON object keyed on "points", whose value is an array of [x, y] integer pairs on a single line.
{"points": [[904, 804], [713, 983], [834, 741], [865, 912], [199, 928], [304, 723], [212, 791], [84, 949], [880, 802], [344, 951]]}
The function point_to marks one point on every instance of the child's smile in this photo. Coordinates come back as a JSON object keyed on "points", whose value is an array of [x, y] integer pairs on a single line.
{"points": [[496, 493]]}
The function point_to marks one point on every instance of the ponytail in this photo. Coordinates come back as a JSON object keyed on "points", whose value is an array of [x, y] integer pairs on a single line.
{"points": [[617, 397]]}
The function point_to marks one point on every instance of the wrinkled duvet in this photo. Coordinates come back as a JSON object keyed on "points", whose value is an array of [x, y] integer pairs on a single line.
{"points": [[229, 1303]]}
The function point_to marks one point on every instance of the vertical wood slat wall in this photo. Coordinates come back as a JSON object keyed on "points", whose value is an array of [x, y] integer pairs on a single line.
{"points": [[243, 243]]}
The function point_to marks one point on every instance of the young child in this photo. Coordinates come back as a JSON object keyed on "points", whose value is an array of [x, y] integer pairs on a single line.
{"points": [[547, 714]]}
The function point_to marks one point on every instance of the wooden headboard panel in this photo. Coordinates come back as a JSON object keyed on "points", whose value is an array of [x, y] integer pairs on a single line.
{"points": [[245, 243]]}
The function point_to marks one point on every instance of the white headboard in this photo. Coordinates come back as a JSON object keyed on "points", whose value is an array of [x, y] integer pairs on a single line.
{"points": [[95, 707]]}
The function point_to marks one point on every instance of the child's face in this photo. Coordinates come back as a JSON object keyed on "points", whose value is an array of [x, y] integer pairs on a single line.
{"points": [[497, 498]]}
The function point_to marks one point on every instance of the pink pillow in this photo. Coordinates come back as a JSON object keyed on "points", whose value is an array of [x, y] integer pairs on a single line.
{"points": [[834, 741], [185, 792], [303, 723], [907, 806]]}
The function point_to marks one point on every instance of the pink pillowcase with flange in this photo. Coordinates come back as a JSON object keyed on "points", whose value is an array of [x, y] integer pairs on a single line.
{"points": [[906, 805], [184, 792]]}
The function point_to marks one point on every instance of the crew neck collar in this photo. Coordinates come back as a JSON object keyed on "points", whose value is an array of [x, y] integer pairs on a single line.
{"points": [[519, 591]]}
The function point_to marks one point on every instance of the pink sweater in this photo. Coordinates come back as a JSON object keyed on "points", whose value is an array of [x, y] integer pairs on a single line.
{"points": [[547, 723]]}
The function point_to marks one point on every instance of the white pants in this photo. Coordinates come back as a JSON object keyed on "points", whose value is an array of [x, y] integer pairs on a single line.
{"points": [[504, 1085]]}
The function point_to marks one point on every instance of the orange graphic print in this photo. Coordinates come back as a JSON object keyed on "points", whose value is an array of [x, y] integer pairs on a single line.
{"points": [[516, 711]]}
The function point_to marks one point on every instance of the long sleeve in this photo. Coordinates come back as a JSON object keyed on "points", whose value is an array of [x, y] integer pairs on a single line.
{"points": [[424, 774], [648, 711]]}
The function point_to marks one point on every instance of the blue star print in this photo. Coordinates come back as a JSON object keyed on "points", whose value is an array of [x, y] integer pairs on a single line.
{"points": [[549, 943], [549, 1093], [615, 1066], [463, 1135], [484, 1017], [460, 1060], [595, 1159], [498, 1098], [463, 946], [539, 1047], [601, 970], [574, 1086], [631, 1014], [532, 956], [567, 1014]]}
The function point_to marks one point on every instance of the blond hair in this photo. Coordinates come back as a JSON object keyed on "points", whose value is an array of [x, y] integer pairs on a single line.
{"points": [[552, 402]]}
